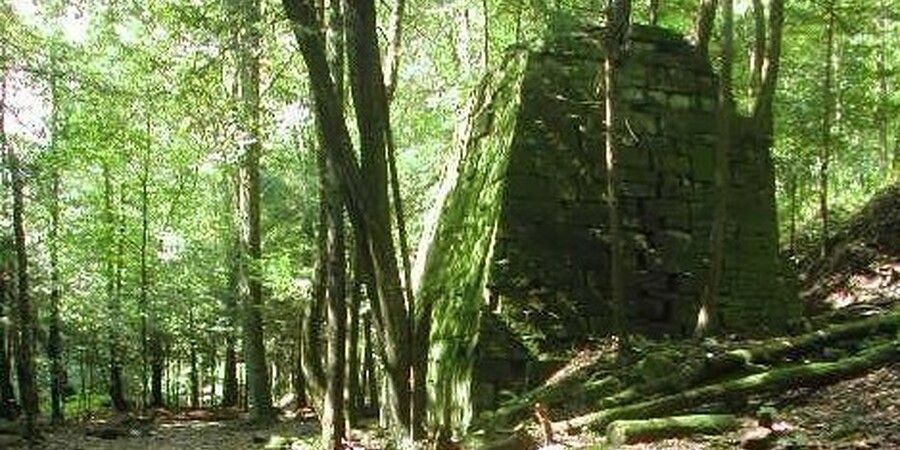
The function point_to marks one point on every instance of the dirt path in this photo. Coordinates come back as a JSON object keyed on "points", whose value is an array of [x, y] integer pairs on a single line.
{"points": [[188, 434]]}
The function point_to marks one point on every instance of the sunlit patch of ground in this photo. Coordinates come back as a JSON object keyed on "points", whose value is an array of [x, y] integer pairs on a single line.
{"points": [[180, 434]]}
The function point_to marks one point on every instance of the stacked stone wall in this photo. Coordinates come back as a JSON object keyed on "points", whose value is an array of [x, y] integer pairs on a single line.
{"points": [[550, 268]]}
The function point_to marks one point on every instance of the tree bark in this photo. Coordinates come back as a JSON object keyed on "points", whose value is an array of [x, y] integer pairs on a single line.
{"points": [[653, 12], [763, 108], [884, 118], [333, 414], [54, 342], [113, 257], [615, 42], [365, 195], [373, 122], [230, 395], [8, 407], [250, 283], [707, 317], [24, 317], [352, 393], [392, 57], [703, 25], [758, 53], [145, 279], [827, 119]]}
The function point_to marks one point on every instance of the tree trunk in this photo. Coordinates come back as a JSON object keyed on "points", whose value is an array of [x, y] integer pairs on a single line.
{"points": [[352, 394], [194, 375], [707, 317], [250, 282], [157, 368], [392, 57], [763, 107], [884, 118], [366, 195], [373, 123], [24, 317], [230, 310], [145, 280], [619, 14], [653, 12], [758, 53], [8, 407], [54, 342], [703, 25], [828, 112], [419, 329], [370, 384], [334, 420], [230, 383], [333, 413], [113, 290]]}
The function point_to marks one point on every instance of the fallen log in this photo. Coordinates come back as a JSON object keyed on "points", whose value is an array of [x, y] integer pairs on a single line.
{"points": [[755, 359], [622, 432], [805, 375], [777, 349]]}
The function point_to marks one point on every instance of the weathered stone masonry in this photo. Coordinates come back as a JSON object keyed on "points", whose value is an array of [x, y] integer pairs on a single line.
{"points": [[534, 174]]}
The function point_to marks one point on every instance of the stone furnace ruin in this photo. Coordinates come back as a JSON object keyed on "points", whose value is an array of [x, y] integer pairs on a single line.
{"points": [[520, 259]]}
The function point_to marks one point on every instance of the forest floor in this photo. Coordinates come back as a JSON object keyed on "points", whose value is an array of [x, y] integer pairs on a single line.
{"points": [[861, 278], [191, 430]]}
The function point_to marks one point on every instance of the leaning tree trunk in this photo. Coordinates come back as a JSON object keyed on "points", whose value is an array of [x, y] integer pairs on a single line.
{"points": [[373, 122], [370, 217]]}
